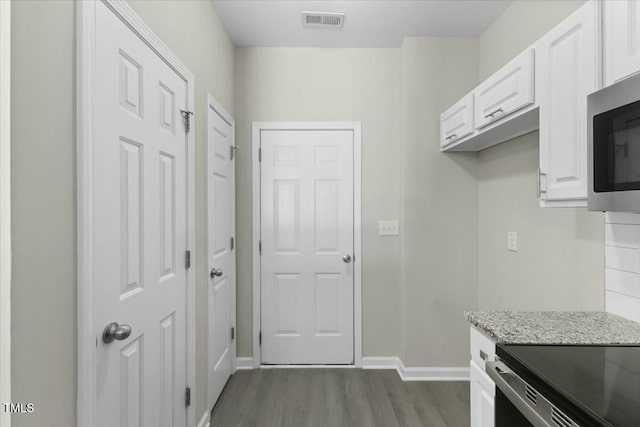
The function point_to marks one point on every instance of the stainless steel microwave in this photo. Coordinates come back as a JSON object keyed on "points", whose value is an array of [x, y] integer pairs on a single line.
{"points": [[614, 147]]}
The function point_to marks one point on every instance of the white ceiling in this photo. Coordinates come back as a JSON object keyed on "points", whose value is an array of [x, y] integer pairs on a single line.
{"points": [[371, 23]]}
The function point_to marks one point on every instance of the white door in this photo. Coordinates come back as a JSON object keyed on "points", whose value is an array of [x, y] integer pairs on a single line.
{"points": [[621, 39], [221, 262], [566, 74], [482, 397], [138, 226], [307, 224], [509, 89]]}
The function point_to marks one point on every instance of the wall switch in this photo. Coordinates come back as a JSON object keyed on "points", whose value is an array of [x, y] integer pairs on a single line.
{"points": [[388, 228], [512, 241]]}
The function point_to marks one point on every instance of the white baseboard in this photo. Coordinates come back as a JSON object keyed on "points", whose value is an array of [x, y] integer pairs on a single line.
{"points": [[244, 363], [416, 373], [205, 421]]}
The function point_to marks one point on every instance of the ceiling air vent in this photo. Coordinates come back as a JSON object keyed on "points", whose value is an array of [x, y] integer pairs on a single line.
{"points": [[322, 19]]}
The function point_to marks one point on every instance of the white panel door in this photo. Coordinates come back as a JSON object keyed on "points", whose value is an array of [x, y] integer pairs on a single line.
{"points": [[221, 262], [621, 39], [508, 90], [457, 121], [566, 74], [482, 397], [138, 223], [307, 246]]}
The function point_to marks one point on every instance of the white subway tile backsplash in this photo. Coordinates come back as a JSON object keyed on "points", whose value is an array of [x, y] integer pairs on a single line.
{"points": [[622, 235], [625, 259], [622, 282], [622, 261], [621, 218], [623, 305]]}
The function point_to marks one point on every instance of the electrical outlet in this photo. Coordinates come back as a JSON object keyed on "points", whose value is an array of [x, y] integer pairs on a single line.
{"points": [[388, 228], [512, 241]]}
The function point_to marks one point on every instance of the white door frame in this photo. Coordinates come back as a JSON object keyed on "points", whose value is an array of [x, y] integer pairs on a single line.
{"points": [[258, 127], [217, 107], [5, 208], [85, 71]]}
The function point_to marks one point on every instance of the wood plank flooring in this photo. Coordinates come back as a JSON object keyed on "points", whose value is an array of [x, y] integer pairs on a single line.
{"points": [[337, 398]]}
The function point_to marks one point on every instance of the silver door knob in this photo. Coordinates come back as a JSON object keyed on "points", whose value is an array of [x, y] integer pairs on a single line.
{"points": [[113, 332], [347, 258], [216, 272]]}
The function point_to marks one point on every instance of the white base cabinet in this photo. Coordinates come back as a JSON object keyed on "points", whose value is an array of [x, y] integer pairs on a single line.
{"points": [[482, 397], [482, 388]]}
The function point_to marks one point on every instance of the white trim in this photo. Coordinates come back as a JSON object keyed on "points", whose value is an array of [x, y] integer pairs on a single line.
{"points": [[356, 127], [85, 63], [5, 208], [244, 364], [380, 362], [416, 373], [308, 367], [205, 421], [212, 103]]}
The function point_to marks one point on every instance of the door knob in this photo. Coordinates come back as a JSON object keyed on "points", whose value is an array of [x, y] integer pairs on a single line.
{"points": [[216, 272], [347, 259], [113, 332]]}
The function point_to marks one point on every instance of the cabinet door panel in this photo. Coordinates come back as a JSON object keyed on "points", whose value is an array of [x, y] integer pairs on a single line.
{"points": [[566, 73], [457, 121], [508, 90], [483, 392], [621, 39]]}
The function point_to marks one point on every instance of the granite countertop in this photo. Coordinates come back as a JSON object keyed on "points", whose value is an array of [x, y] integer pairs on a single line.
{"points": [[555, 327]]}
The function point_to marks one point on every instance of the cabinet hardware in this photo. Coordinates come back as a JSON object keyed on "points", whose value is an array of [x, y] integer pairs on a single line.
{"points": [[491, 115]]}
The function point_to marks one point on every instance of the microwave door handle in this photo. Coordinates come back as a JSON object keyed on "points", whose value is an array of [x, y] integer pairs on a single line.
{"points": [[500, 374]]}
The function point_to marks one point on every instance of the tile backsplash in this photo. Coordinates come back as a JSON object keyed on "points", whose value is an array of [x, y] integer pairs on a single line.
{"points": [[622, 264]]}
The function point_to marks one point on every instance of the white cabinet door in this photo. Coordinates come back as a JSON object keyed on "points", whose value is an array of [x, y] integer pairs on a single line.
{"points": [[565, 74], [457, 121], [483, 392], [509, 89], [621, 39]]}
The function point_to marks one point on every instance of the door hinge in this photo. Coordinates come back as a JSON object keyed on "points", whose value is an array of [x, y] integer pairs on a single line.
{"points": [[233, 333], [187, 397], [260, 154], [232, 151], [186, 117], [187, 259], [233, 243], [260, 338], [259, 247]]}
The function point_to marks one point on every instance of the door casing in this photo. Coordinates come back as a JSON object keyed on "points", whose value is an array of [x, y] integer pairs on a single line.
{"points": [[5, 208], [85, 98], [257, 128]]}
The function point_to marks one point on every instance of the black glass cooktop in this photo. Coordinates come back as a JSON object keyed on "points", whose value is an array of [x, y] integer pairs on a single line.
{"points": [[597, 385]]}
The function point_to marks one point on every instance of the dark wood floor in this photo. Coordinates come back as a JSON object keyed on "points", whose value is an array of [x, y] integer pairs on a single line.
{"points": [[338, 397]]}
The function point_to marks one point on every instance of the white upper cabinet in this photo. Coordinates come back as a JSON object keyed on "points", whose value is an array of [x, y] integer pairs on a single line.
{"points": [[566, 72], [621, 39], [457, 121], [508, 90]]}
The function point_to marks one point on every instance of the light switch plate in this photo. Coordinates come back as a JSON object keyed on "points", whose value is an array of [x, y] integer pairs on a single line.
{"points": [[388, 228], [512, 241]]}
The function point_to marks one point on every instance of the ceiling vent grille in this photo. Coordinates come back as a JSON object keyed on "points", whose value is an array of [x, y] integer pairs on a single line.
{"points": [[322, 19]]}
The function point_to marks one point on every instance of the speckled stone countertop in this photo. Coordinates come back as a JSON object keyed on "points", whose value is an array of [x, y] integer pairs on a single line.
{"points": [[555, 327]]}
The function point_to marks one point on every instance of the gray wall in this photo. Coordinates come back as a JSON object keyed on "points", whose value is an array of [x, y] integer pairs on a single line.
{"points": [[43, 212], [44, 191], [560, 261], [440, 205], [281, 84]]}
